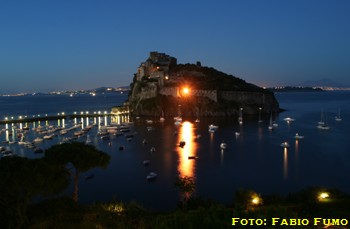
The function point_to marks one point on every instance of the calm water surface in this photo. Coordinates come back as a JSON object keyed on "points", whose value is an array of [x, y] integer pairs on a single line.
{"points": [[253, 160]]}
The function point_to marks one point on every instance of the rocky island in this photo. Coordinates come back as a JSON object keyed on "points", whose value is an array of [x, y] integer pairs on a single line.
{"points": [[161, 86]]}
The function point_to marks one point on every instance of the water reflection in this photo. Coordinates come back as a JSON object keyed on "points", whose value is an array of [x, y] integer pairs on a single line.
{"points": [[186, 166], [285, 163], [222, 157], [296, 149]]}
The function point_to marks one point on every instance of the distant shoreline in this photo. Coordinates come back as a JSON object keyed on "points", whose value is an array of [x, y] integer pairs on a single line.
{"points": [[295, 89]]}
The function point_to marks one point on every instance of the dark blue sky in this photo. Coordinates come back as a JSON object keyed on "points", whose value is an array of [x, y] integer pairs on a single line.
{"points": [[65, 44]]}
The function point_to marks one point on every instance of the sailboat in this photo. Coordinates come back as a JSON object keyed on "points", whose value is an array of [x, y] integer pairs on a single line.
{"points": [[88, 139], [240, 118], [322, 123], [270, 127], [260, 120], [162, 119], [197, 113], [338, 117]]}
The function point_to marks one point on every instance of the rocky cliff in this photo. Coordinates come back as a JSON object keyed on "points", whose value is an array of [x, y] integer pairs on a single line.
{"points": [[193, 90]]}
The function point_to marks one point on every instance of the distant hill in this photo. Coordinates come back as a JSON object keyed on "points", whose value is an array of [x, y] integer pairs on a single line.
{"points": [[322, 83]]}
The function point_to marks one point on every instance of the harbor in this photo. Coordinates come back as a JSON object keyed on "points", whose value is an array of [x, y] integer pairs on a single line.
{"points": [[119, 110]]}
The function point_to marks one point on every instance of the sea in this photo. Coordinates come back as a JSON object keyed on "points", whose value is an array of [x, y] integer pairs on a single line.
{"points": [[254, 158]]}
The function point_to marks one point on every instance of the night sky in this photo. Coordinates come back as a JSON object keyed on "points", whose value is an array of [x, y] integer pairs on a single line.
{"points": [[50, 45]]}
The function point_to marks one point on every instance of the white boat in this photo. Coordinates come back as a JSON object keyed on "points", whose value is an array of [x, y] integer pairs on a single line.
{"points": [[48, 136], [223, 145], [297, 136], [153, 149], [28, 144], [88, 139], [237, 134], [270, 127], [178, 120], [212, 127], [162, 119], [240, 118], [285, 144], [322, 122], [289, 119], [36, 140], [323, 126], [21, 142], [151, 176], [78, 133], [146, 162], [149, 121], [338, 117]]}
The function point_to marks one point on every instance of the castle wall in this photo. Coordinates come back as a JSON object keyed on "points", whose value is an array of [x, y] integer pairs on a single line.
{"points": [[254, 100], [148, 92], [211, 94], [243, 97], [169, 91], [174, 91]]}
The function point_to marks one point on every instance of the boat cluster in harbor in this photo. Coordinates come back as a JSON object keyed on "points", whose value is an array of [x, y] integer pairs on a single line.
{"points": [[36, 137], [40, 136]]}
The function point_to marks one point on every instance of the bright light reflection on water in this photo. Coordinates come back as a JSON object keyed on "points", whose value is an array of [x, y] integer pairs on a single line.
{"points": [[285, 163], [186, 166]]}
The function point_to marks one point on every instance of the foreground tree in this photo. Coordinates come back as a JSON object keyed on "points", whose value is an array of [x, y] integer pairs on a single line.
{"points": [[187, 186], [21, 179], [83, 157]]}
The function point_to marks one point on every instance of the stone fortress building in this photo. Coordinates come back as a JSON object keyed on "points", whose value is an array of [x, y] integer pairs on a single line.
{"points": [[158, 68], [156, 76]]}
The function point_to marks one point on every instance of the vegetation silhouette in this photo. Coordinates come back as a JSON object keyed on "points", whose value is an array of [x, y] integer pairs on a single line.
{"points": [[83, 157], [21, 179]]}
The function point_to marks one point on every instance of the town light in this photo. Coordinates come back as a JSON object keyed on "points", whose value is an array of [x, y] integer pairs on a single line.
{"points": [[256, 200], [323, 196], [185, 90]]}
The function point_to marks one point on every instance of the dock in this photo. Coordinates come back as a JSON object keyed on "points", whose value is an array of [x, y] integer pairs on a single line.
{"points": [[87, 114]]}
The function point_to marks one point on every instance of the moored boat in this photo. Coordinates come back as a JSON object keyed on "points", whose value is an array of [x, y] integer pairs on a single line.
{"points": [[151, 176], [223, 145], [285, 144]]}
